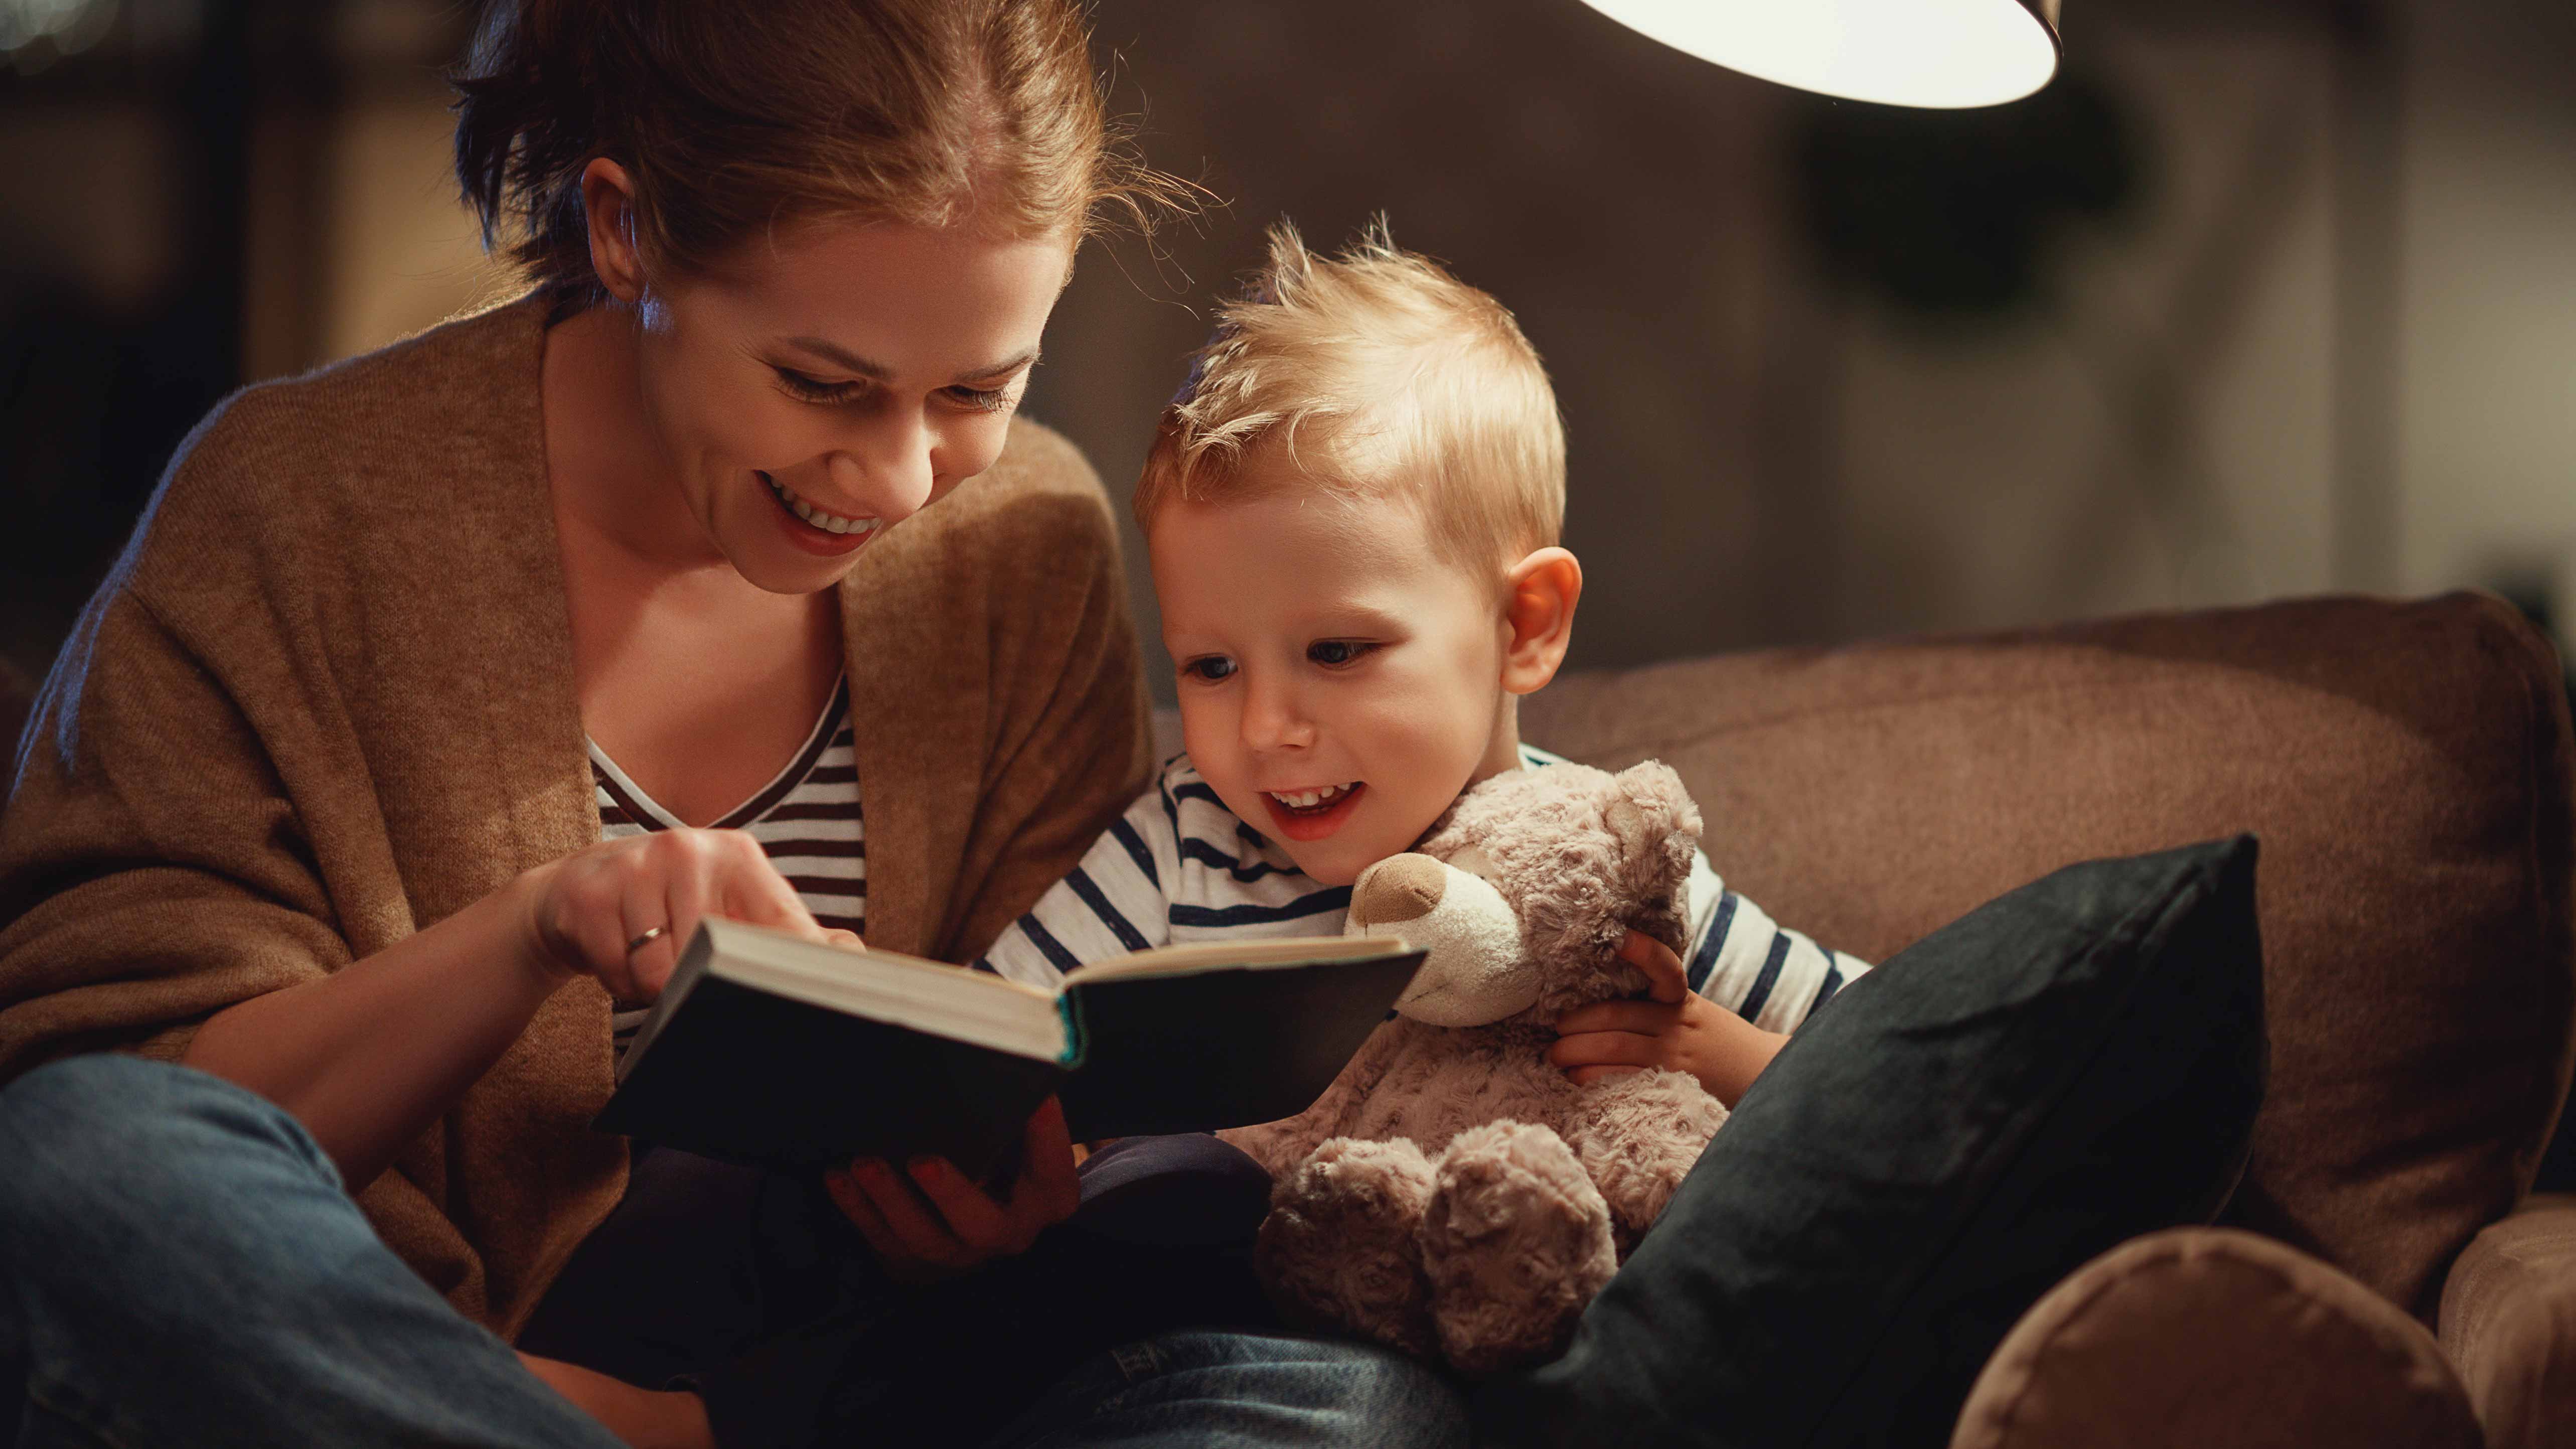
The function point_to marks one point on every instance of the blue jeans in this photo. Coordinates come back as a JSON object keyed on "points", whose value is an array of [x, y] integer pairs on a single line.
{"points": [[179, 1266]]}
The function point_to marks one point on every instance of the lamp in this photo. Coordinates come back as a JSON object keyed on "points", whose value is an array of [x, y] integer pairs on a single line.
{"points": [[1938, 53]]}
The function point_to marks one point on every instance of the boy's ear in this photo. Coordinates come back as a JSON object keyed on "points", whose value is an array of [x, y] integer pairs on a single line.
{"points": [[608, 202], [1538, 617]]}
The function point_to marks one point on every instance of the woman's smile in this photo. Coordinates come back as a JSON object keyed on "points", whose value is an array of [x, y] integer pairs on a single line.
{"points": [[815, 529]]}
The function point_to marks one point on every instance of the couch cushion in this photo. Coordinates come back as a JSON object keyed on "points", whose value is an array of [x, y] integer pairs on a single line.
{"points": [[2406, 765], [2218, 1338], [2071, 1065]]}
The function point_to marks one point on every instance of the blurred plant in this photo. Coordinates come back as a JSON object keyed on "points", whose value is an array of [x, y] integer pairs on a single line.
{"points": [[1951, 212]]}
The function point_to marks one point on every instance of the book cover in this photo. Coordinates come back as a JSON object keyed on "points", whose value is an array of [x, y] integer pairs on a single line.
{"points": [[774, 1050]]}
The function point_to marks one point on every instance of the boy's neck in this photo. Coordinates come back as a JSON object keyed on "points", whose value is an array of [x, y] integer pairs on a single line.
{"points": [[1503, 752]]}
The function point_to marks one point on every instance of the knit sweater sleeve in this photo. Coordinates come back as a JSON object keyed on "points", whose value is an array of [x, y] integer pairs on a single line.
{"points": [[152, 869]]}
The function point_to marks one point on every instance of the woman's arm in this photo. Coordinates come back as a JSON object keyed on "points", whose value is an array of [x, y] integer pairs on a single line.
{"points": [[367, 1057]]}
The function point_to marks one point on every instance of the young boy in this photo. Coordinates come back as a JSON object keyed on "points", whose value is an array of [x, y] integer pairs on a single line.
{"points": [[1352, 510]]}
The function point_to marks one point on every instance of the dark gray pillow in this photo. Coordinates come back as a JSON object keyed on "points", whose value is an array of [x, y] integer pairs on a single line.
{"points": [[2066, 1067]]}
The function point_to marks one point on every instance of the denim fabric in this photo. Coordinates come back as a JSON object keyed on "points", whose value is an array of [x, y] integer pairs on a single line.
{"points": [[1244, 1391], [180, 1267]]}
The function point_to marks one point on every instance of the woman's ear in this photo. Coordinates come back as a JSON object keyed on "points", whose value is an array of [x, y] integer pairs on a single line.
{"points": [[1538, 617], [608, 201]]}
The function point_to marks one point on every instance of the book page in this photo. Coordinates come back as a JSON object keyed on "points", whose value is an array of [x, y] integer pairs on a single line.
{"points": [[887, 986], [1251, 955]]}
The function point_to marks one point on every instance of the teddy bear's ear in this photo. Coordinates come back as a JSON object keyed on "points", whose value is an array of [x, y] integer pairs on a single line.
{"points": [[1649, 807]]}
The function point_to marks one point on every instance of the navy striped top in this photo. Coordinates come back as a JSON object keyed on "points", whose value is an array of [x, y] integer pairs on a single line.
{"points": [[1179, 867], [806, 819]]}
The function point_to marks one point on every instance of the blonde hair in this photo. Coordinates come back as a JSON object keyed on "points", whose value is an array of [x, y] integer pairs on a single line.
{"points": [[1377, 373], [736, 116]]}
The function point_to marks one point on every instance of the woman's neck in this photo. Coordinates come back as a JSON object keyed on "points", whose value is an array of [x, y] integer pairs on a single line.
{"points": [[614, 489]]}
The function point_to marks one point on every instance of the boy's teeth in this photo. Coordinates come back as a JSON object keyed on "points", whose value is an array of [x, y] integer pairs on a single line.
{"points": [[1307, 799]]}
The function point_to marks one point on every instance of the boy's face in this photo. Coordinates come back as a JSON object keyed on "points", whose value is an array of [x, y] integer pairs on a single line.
{"points": [[1323, 646]]}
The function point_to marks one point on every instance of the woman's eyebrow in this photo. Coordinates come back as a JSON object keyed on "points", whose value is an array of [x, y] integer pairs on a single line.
{"points": [[842, 357]]}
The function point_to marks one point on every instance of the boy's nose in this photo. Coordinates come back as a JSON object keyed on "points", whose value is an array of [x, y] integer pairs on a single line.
{"points": [[1271, 721]]}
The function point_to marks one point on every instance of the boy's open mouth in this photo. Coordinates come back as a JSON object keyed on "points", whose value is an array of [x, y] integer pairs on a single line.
{"points": [[1312, 814]]}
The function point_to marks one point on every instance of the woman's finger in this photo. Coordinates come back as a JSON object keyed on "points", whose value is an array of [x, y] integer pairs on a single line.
{"points": [[1596, 1048], [643, 902], [917, 1231], [1666, 981], [978, 1223], [684, 903], [748, 888], [854, 1205], [1652, 1018], [1049, 1188]]}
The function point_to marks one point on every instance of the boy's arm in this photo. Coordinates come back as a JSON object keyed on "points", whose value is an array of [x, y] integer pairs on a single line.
{"points": [[1671, 1027], [1723, 1014]]}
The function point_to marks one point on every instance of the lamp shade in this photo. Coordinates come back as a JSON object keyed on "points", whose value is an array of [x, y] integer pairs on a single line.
{"points": [[1940, 53]]}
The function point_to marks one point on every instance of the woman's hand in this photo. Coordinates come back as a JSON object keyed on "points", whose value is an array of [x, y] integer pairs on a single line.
{"points": [[1673, 1027], [949, 1225], [644, 1418], [585, 912]]}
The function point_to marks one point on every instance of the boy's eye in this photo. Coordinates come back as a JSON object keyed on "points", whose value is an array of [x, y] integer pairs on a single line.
{"points": [[1209, 670], [1332, 653]]}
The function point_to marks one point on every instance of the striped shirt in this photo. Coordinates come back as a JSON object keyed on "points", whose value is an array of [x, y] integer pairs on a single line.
{"points": [[806, 820], [1179, 867]]}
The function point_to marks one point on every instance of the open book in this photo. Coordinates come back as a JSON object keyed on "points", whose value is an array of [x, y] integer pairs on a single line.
{"points": [[770, 1049]]}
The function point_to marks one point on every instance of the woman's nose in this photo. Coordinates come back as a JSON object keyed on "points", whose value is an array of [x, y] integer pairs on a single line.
{"points": [[889, 473]]}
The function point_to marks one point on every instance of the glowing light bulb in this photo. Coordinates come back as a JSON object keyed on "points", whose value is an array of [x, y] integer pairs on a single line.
{"points": [[1936, 53]]}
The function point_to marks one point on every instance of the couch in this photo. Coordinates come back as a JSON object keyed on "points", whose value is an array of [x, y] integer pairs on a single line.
{"points": [[2383, 1275]]}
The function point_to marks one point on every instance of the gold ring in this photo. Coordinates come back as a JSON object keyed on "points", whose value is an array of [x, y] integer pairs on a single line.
{"points": [[648, 938]]}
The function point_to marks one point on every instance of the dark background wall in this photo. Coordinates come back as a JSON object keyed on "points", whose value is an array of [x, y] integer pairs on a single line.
{"points": [[2259, 298]]}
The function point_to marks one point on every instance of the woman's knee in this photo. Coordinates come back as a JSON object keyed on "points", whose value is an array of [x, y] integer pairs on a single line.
{"points": [[92, 1139]]}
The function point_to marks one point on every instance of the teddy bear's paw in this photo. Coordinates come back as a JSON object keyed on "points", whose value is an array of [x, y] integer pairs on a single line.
{"points": [[1340, 1248], [1516, 1240], [1637, 1136]]}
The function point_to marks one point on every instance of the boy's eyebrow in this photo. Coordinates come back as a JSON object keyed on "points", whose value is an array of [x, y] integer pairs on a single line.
{"points": [[1368, 618], [840, 356]]}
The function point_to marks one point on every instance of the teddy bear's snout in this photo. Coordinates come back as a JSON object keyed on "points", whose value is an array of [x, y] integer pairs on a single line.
{"points": [[1397, 889], [1474, 972]]}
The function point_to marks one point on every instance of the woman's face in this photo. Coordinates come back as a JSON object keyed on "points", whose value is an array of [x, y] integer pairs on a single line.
{"points": [[815, 391]]}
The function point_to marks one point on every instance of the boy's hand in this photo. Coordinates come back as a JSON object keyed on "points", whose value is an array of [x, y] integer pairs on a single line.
{"points": [[942, 1224], [1672, 1027]]}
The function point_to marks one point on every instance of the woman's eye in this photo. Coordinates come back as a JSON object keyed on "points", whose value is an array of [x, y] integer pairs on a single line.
{"points": [[1332, 653], [985, 399], [1209, 670], [814, 389]]}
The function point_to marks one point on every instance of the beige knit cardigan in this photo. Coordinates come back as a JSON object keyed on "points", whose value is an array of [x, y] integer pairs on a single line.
{"points": [[326, 698]]}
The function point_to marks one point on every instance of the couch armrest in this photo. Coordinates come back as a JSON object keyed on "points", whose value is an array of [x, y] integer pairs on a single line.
{"points": [[2508, 1321], [2220, 1339]]}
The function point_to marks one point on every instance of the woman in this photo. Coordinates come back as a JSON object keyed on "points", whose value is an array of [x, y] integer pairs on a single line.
{"points": [[346, 790]]}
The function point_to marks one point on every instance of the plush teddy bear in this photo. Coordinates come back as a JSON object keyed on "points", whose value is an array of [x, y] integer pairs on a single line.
{"points": [[1453, 1194]]}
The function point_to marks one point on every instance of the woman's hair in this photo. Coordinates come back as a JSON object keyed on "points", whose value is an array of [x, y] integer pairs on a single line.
{"points": [[732, 117], [1374, 373]]}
